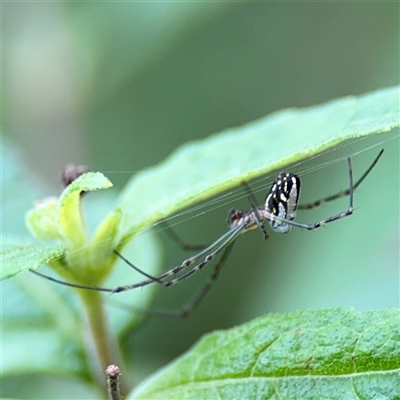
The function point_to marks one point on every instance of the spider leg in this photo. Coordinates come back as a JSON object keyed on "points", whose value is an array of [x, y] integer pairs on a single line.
{"points": [[342, 193], [173, 271], [154, 278], [201, 294], [207, 259], [210, 253], [252, 201], [194, 301], [178, 240], [78, 286], [74, 285], [227, 238]]}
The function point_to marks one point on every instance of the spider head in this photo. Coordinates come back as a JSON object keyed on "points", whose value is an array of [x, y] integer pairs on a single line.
{"points": [[282, 200], [234, 216]]}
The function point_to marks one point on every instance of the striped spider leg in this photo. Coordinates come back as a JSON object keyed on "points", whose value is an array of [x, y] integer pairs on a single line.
{"points": [[279, 210]]}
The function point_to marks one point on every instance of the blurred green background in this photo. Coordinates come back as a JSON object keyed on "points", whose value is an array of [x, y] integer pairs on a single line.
{"points": [[119, 86]]}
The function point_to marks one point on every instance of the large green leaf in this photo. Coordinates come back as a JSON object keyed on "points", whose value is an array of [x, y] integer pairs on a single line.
{"points": [[330, 354], [199, 170]]}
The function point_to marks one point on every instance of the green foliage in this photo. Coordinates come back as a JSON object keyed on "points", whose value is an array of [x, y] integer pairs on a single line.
{"points": [[326, 354], [302, 344], [119, 86]]}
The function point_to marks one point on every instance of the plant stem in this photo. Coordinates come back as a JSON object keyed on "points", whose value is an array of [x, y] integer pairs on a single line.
{"points": [[113, 373], [104, 345]]}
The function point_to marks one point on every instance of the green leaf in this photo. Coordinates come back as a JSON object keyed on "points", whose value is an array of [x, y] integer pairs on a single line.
{"points": [[19, 255], [42, 220], [329, 354], [70, 221], [104, 242], [199, 170]]}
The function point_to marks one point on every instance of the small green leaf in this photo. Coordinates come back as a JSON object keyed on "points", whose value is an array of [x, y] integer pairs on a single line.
{"points": [[202, 169], [103, 243], [329, 354], [42, 220], [108, 230], [71, 224], [20, 255]]}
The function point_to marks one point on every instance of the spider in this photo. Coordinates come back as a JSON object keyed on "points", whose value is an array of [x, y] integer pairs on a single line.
{"points": [[279, 210]]}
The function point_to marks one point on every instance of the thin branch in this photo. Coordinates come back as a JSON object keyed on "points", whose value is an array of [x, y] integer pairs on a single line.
{"points": [[113, 372]]}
